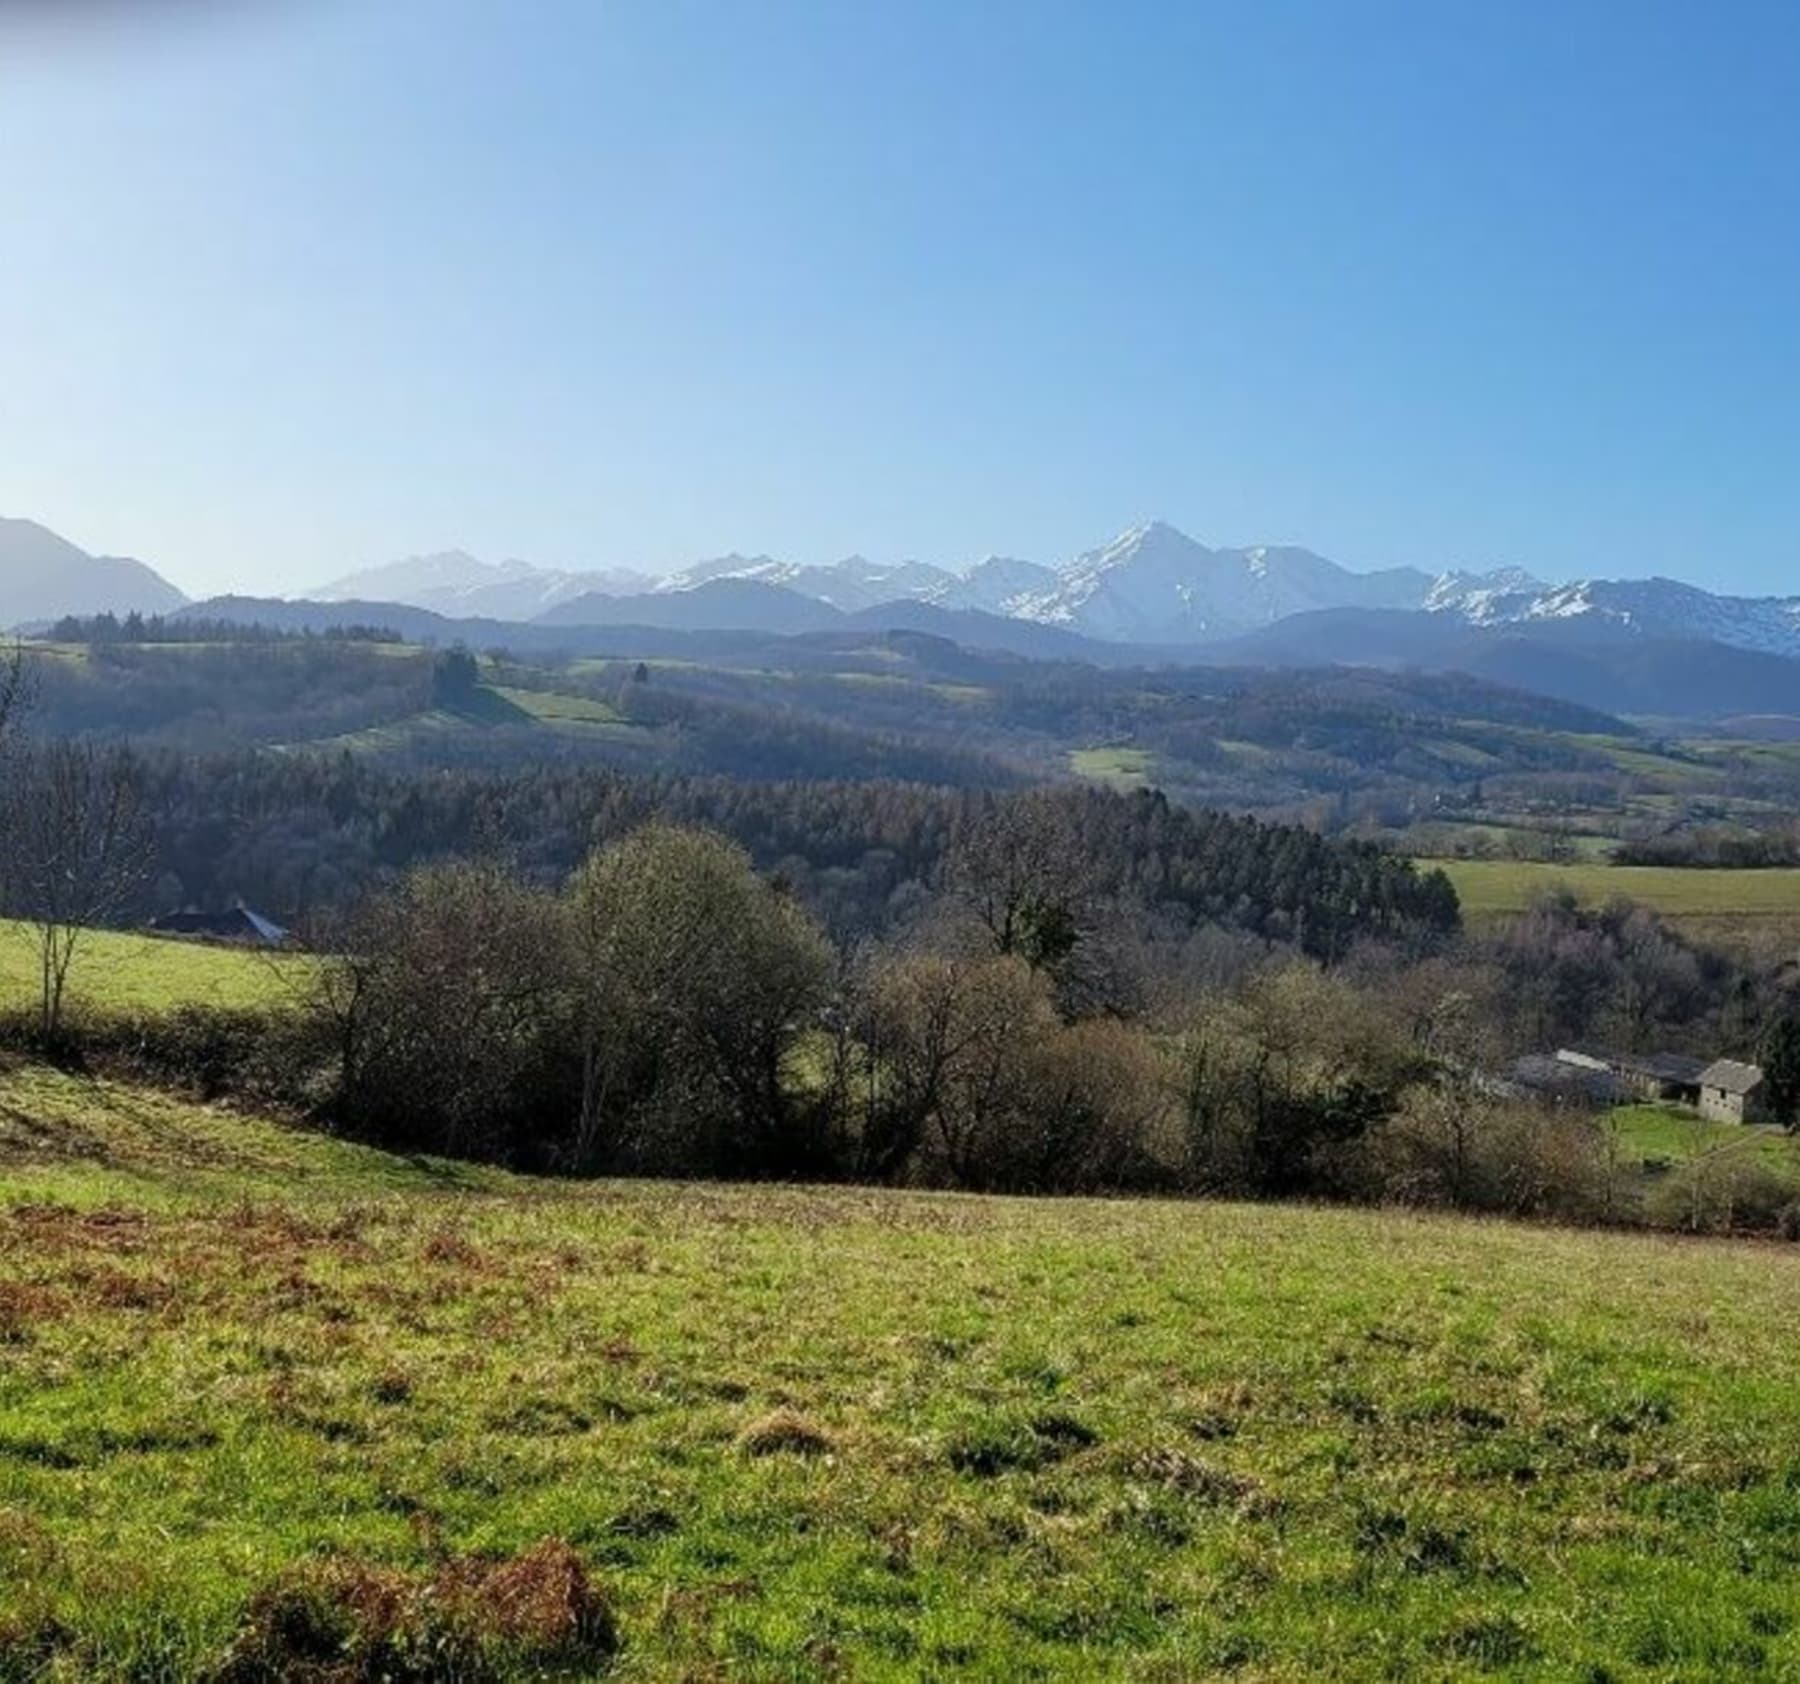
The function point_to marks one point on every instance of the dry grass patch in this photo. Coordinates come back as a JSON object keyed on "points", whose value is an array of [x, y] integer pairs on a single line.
{"points": [[784, 1432], [346, 1621]]}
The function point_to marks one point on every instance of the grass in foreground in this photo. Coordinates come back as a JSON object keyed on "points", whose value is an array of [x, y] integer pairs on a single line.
{"points": [[802, 1434], [116, 971]]}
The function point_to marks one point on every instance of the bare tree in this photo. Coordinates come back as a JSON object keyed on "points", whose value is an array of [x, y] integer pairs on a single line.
{"points": [[15, 696], [78, 848], [1017, 865], [15, 691]]}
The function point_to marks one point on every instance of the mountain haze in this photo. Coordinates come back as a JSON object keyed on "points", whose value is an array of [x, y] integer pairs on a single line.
{"points": [[43, 577], [457, 584], [1153, 594]]}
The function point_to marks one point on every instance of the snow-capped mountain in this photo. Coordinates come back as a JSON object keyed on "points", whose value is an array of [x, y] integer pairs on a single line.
{"points": [[1154, 584], [461, 586], [852, 584], [1151, 584], [997, 584], [1657, 608], [1480, 597]]}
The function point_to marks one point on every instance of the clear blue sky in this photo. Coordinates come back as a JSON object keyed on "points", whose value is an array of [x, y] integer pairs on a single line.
{"points": [[295, 286]]}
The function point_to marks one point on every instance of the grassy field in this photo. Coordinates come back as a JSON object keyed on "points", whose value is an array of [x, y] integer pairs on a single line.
{"points": [[1491, 888], [1123, 768], [1664, 1136], [806, 1434], [118, 972], [551, 707]]}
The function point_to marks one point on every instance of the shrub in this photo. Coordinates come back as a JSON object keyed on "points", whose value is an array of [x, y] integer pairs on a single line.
{"points": [[696, 978], [267, 1056], [1280, 1080], [1444, 1146], [451, 1012], [1723, 1192]]}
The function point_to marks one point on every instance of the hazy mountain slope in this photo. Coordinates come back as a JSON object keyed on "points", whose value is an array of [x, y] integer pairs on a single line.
{"points": [[1599, 663], [970, 628], [847, 585], [457, 584], [721, 604], [1646, 607], [44, 576], [997, 584]]}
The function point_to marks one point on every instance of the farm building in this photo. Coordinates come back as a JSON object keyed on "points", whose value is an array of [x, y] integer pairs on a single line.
{"points": [[1731, 1092], [1652, 1076], [1557, 1081], [240, 924]]}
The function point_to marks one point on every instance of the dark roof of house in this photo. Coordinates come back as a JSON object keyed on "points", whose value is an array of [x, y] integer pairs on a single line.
{"points": [[239, 924], [1541, 1073], [1660, 1067], [1665, 1067], [1732, 1076], [1592, 1049]]}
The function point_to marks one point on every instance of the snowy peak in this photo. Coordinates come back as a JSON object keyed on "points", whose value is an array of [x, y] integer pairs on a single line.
{"points": [[1152, 584], [1481, 597], [440, 571], [733, 566], [997, 584], [851, 584], [1661, 608], [1155, 584]]}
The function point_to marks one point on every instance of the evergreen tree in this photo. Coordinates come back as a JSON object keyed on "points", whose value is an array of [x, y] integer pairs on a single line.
{"points": [[1781, 1068]]}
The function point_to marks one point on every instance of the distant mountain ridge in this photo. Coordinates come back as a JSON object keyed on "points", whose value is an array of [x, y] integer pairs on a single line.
{"points": [[44, 577], [1153, 584], [1152, 596], [457, 584], [1648, 607]]}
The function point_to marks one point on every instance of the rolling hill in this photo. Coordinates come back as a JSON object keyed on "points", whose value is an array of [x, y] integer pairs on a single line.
{"points": [[1596, 663]]}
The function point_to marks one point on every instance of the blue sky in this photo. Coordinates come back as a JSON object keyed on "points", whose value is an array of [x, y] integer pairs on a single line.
{"points": [[295, 286]]}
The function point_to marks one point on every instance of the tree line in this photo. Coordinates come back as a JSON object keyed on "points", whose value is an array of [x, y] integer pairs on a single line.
{"points": [[138, 627], [669, 1010], [302, 837]]}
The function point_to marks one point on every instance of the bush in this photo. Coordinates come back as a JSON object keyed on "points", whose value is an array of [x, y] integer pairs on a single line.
{"points": [[264, 1056], [452, 1011], [696, 978], [1723, 1192], [1279, 1081], [1448, 1147]]}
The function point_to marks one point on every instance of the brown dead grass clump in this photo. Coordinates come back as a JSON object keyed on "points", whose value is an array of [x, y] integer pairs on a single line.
{"points": [[451, 1249], [1176, 1470], [784, 1432], [350, 1622], [113, 1289]]}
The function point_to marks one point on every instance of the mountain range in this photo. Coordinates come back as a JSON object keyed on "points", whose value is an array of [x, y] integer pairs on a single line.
{"points": [[1152, 595], [1153, 584]]}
